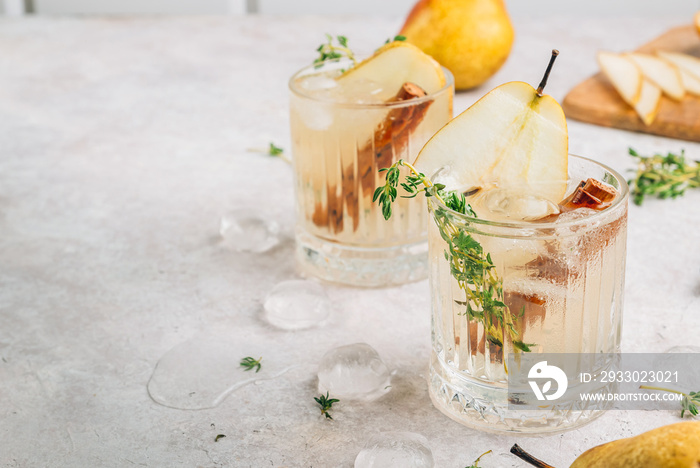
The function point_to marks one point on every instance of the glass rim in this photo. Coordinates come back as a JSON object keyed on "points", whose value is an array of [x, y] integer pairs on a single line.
{"points": [[624, 192], [449, 84]]}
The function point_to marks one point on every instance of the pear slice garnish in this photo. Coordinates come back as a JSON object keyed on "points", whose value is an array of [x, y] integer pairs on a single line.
{"points": [[511, 137], [397, 63]]}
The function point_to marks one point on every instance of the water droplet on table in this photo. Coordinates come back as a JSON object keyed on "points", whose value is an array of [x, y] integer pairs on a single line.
{"points": [[353, 372], [395, 450], [202, 372], [297, 304], [243, 230]]}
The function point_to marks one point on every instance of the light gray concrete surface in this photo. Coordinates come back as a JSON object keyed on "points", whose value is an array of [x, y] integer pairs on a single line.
{"points": [[122, 141]]}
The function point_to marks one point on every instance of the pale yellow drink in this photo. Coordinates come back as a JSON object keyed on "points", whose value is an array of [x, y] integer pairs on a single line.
{"points": [[562, 282], [342, 136]]}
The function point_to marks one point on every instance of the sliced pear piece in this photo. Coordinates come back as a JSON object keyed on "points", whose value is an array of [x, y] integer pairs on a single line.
{"points": [[691, 84], [648, 104], [685, 62], [511, 138], [624, 75], [397, 63], [661, 73]]}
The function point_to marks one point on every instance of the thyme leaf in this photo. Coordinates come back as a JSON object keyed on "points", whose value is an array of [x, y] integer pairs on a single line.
{"points": [[326, 403], [274, 150], [329, 52], [398, 38], [249, 363]]}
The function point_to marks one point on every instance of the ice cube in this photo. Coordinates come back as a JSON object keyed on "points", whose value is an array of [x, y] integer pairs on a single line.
{"points": [[360, 92], [353, 372], [297, 304], [512, 205], [317, 82], [395, 450], [317, 115], [245, 231]]}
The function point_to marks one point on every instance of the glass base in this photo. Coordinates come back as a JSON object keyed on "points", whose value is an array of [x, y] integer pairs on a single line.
{"points": [[361, 266], [485, 407]]}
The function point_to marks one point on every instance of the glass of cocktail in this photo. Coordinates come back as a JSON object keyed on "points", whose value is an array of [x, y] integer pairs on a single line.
{"points": [[527, 260], [503, 286], [347, 123]]}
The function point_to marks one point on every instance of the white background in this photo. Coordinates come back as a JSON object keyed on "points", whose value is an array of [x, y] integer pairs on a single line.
{"points": [[604, 8]]}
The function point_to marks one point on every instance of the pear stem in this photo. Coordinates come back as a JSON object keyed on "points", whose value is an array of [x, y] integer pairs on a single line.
{"points": [[543, 83], [522, 454]]}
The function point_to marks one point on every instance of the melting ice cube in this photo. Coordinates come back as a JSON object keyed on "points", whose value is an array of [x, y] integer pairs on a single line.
{"points": [[353, 372], [395, 450], [516, 206], [317, 82], [245, 231], [297, 304]]}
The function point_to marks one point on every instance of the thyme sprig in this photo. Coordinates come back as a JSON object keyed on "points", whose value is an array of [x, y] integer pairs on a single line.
{"points": [[326, 403], [332, 52], [386, 194], [473, 268], [663, 176], [476, 462], [689, 403], [249, 363], [274, 150]]}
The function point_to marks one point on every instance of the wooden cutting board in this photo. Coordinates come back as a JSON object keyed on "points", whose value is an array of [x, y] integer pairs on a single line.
{"points": [[596, 101]]}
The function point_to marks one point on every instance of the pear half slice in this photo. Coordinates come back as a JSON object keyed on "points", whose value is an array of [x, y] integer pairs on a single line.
{"points": [[511, 138], [394, 64]]}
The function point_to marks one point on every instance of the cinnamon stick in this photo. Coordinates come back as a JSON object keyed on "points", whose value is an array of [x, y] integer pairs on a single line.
{"points": [[391, 137], [589, 194]]}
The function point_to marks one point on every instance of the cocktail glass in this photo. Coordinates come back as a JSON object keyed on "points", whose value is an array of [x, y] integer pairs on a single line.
{"points": [[561, 282], [341, 137]]}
